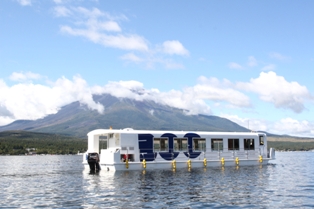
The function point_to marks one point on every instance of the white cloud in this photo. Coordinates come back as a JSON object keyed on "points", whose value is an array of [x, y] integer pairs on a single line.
{"points": [[58, 1], [275, 89], [193, 99], [33, 101], [173, 98], [269, 67], [252, 61], [108, 25], [170, 64], [131, 57], [102, 28], [294, 127], [61, 11], [24, 76], [174, 47], [214, 90], [183, 100], [278, 56], [249, 123], [93, 13], [130, 42], [123, 89], [287, 126], [25, 2], [234, 65], [94, 25], [4, 120], [76, 90]]}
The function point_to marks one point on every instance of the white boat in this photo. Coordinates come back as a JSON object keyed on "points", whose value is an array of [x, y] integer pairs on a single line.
{"points": [[130, 149]]}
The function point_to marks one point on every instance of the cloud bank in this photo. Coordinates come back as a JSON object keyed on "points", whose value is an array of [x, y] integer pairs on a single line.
{"points": [[105, 29], [32, 101], [287, 126], [28, 100], [275, 89]]}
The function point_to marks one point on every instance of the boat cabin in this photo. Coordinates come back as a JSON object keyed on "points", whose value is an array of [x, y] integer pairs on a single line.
{"points": [[160, 149]]}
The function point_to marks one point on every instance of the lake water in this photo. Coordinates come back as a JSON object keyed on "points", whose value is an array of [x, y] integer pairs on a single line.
{"points": [[61, 182]]}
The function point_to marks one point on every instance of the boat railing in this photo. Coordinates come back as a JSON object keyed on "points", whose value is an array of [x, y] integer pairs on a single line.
{"points": [[210, 155]]}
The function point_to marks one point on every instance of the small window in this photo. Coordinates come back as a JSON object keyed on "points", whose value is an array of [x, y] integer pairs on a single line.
{"points": [[261, 140], [103, 142], [233, 144], [161, 144], [217, 144], [180, 144], [249, 144], [199, 144]]}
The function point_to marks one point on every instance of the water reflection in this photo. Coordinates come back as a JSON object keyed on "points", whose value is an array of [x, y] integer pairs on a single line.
{"points": [[212, 187], [61, 182]]}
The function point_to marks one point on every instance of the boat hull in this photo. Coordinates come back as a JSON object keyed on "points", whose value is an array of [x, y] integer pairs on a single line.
{"points": [[170, 165]]}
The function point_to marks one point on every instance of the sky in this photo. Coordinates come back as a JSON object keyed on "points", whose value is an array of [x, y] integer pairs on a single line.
{"points": [[247, 61]]}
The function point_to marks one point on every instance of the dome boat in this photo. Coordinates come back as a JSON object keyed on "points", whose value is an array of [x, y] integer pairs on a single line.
{"points": [[128, 149]]}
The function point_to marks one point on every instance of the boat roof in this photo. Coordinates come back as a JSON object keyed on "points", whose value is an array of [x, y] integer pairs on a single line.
{"points": [[133, 131]]}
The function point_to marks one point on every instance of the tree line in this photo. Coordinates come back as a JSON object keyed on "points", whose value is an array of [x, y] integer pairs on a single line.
{"points": [[22, 142], [291, 146]]}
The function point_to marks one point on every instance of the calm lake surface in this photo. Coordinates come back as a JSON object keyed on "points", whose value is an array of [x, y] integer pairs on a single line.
{"points": [[61, 182]]}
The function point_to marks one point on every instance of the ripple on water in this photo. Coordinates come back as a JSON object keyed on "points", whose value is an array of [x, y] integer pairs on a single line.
{"points": [[61, 182]]}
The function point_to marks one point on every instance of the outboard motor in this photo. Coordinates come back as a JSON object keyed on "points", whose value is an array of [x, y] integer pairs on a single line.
{"points": [[93, 161]]}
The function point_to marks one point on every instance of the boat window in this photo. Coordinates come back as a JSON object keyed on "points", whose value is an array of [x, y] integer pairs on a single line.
{"points": [[103, 143], [248, 144], [180, 144], [161, 144], [103, 137], [217, 144], [261, 140], [233, 144], [199, 144], [110, 136]]}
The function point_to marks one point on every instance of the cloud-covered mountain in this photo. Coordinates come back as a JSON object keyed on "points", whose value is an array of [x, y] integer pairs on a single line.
{"points": [[77, 119]]}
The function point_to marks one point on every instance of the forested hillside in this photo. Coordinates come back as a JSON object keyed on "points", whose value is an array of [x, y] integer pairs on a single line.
{"points": [[22, 142]]}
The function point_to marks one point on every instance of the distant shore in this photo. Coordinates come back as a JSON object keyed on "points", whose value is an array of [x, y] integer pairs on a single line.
{"points": [[289, 139], [291, 143]]}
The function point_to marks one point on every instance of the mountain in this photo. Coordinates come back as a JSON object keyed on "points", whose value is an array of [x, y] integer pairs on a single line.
{"points": [[77, 120]]}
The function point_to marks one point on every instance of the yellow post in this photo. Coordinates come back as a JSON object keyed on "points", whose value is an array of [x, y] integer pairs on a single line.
{"points": [[144, 163], [189, 163], [222, 161], [260, 158], [127, 163], [237, 161], [205, 162], [174, 164]]}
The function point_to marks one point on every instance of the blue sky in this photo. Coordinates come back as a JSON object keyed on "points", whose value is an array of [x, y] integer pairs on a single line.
{"points": [[248, 61]]}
